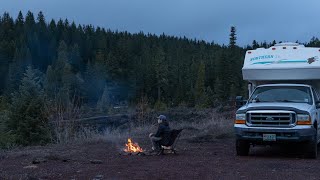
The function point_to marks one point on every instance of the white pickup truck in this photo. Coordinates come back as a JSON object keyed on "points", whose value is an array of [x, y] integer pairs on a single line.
{"points": [[283, 104]]}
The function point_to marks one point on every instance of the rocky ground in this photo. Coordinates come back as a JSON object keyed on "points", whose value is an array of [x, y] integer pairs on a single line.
{"points": [[209, 159]]}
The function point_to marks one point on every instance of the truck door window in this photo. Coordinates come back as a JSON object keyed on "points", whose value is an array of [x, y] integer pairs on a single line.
{"points": [[315, 94]]}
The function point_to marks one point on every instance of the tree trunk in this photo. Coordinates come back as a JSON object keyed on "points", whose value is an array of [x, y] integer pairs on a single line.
{"points": [[159, 93]]}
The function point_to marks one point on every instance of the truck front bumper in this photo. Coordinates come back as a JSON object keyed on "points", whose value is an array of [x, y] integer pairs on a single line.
{"points": [[298, 133]]}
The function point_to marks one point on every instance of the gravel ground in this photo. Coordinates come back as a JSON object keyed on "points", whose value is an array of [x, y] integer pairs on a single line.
{"points": [[213, 159]]}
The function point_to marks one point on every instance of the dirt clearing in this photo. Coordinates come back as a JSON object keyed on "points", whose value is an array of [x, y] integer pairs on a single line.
{"points": [[214, 159]]}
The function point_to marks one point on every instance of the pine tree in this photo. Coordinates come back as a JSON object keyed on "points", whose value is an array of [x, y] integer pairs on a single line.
{"points": [[19, 25], [75, 58], [219, 88], [255, 44], [27, 121], [161, 72], [30, 23], [210, 97], [200, 85], [233, 38], [51, 82], [264, 44], [20, 19], [223, 77], [15, 71], [41, 20]]}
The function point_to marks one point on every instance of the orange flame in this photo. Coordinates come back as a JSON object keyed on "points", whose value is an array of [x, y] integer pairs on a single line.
{"points": [[132, 147]]}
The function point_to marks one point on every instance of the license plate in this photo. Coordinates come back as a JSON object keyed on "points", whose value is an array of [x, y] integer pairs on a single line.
{"points": [[269, 137]]}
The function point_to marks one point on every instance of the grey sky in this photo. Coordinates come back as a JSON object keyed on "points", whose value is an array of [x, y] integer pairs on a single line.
{"points": [[210, 20]]}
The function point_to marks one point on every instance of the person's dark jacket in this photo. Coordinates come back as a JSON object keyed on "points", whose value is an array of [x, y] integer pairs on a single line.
{"points": [[162, 129], [163, 132]]}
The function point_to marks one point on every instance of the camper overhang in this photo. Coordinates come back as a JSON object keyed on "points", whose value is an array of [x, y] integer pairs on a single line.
{"points": [[288, 61]]}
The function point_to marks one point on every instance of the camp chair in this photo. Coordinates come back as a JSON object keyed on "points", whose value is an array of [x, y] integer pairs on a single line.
{"points": [[169, 142]]}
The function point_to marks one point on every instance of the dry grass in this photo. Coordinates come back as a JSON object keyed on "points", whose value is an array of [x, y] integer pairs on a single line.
{"points": [[198, 125], [205, 125]]}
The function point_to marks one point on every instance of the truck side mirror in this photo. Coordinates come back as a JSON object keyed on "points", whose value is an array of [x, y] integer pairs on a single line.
{"points": [[239, 101]]}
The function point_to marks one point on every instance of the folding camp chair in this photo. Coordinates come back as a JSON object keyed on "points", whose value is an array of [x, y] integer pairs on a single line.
{"points": [[171, 141]]}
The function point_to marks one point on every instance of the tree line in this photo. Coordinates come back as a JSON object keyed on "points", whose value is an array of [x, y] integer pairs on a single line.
{"points": [[87, 61]]}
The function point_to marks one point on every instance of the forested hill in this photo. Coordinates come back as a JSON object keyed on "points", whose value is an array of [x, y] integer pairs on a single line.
{"points": [[95, 65]]}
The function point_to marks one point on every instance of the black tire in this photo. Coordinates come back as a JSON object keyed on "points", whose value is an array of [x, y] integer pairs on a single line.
{"points": [[242, 147], [312, 148]]}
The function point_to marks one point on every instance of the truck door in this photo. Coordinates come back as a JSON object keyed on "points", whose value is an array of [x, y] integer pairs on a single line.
{"points": [[316, 98]]}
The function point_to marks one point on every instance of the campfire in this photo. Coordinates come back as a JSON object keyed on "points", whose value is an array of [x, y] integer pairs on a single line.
{"points": [[132, 147]]}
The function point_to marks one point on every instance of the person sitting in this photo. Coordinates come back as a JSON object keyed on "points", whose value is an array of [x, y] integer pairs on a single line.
{"points": [[160, 137]]}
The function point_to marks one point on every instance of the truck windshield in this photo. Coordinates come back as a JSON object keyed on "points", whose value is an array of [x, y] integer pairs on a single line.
{"points": [[295, 94]]}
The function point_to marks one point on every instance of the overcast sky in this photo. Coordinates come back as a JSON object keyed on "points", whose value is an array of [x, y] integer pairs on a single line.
{"points": [[209, 20]]}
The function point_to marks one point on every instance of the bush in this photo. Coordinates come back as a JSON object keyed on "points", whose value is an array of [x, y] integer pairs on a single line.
{"points": [[7, 140], [3, 103]]}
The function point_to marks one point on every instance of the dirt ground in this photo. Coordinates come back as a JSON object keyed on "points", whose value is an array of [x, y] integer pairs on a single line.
{"points": [[213, 159]]}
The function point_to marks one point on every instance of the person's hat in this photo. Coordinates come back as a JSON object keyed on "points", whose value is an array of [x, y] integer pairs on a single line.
{"points": [[162, 117]]}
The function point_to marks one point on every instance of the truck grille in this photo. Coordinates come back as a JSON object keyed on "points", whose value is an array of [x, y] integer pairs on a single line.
{"points": [[286, 118]]}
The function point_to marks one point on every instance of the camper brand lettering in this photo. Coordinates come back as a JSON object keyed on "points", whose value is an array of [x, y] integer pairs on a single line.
{"points": [[262, 57]]}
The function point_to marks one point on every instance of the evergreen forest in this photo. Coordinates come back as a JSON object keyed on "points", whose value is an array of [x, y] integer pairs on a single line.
{"points": [[46, 66]]}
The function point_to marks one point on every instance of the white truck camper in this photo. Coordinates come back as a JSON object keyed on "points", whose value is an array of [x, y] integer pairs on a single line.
{"points": [[283, 104]]}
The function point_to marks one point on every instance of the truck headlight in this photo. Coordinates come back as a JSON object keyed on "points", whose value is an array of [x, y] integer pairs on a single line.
{"points": [[303, 119], [240, 119]]}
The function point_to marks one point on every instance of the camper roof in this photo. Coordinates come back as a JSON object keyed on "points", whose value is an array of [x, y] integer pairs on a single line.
{"points": [[288, 44], [284, 61]]}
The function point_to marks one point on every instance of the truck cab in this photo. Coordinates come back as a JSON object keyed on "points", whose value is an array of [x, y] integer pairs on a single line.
{"points": [[283, 104]]}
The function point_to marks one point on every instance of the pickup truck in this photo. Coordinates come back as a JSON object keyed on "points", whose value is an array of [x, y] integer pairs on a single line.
{"points": [[283, 105]]}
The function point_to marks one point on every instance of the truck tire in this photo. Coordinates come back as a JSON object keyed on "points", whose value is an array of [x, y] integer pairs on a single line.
{"points": [[242, 147], [312, 148]]}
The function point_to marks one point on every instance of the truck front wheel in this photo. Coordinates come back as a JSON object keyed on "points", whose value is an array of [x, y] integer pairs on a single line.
{"points": [[242, 147], [312, 148]]}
